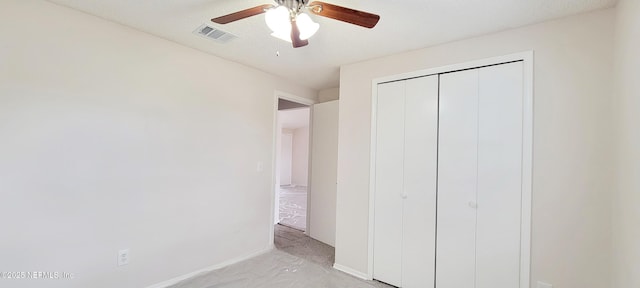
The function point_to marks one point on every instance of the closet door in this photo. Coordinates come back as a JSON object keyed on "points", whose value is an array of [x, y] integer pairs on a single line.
{"points": [[405, 182], [499, 176], [389, 183], [457, 179], [420, 169], [480, 178]]}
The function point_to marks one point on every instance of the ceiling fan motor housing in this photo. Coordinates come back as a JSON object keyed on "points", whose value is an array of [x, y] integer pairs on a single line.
{"points": [[294, 6]]}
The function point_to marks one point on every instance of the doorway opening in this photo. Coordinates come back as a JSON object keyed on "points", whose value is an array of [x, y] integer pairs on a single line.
{"points": [[292, 164]]}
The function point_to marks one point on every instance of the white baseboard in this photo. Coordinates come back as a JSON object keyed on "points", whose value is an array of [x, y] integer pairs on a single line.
{"points": [[210, 268], [351, 272]]}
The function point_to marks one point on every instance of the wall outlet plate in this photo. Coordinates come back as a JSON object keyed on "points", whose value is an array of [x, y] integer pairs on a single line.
{"points": [[123, 257], [544, 285]]}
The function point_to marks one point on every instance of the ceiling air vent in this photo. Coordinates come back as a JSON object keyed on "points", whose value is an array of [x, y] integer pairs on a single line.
{"points": [[214, 34]]}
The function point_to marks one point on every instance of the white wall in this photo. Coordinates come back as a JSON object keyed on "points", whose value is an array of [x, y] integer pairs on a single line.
{"points": [[626, 219], [330, 94], [324, 171], [286, 157], [296, 123], [572, 119], [112, 138], [300, 163]]}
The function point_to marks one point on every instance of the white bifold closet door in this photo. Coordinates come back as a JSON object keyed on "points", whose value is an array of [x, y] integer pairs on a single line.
{"points": [[405, 182], [480, 178]]}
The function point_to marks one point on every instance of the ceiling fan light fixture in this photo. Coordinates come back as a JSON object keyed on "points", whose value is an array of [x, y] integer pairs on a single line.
{"points": [[307, 27], [278, 19]]}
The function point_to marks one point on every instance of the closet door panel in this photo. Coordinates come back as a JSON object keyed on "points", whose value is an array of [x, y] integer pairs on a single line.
{"points": [[420, 172], [457, 179], [499, 176], [389, 183]]}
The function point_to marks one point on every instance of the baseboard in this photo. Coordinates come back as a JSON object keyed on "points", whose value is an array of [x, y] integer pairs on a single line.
{"points": [[175, 280], [351, 272]]}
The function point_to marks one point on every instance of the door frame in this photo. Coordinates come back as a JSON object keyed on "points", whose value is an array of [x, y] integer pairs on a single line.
{"points": [[527, 58], [276, 154]]}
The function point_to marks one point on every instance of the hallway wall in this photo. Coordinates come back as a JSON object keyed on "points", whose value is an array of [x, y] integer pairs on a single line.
{"points": [[300, 164]]}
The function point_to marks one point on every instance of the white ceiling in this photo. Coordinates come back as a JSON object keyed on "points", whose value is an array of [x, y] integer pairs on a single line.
{"points": [[404, 25]]}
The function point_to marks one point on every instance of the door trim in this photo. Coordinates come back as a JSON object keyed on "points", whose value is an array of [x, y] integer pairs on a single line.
{"points": [[275, 144], [527, 58]]}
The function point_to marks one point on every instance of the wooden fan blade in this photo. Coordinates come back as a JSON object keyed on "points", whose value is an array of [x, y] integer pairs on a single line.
{"points": [[348, 15], [242, 14], [295, 36]]}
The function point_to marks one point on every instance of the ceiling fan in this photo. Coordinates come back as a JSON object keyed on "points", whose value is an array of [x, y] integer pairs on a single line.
{"points": [[288, 21]]}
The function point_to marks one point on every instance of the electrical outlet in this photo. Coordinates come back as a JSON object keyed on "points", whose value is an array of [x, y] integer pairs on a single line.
{"points": [[544, 285], [123, 257]]}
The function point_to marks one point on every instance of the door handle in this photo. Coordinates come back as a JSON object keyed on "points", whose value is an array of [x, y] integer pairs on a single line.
{"points": [[473, 204]]}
